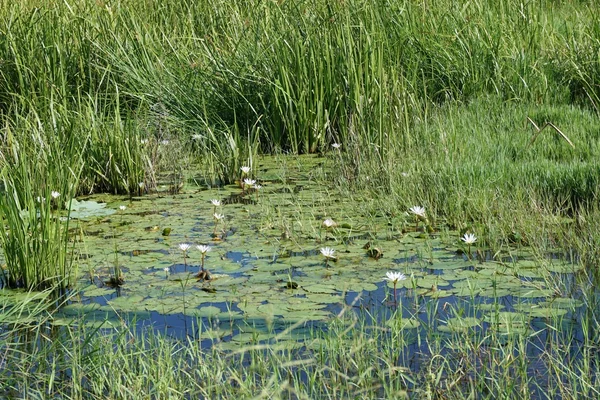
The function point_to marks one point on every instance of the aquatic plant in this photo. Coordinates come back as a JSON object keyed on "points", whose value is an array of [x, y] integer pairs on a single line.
{"points": [[247, 184], [328, 253], [217, 218], [469, 239], [184, 247], [419, 213], [203, 249], [394, 277], [216, 203]]}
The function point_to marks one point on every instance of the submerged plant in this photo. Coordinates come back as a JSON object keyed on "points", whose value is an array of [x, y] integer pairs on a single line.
{"points": [[394, 277]]}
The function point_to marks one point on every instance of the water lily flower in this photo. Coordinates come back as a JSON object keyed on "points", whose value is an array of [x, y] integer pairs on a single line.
{"points": [[167, 270], [185, 246], [257, 187], [215, 202], [327, 252], [203, 248], [336, 145], [328, 223], [40, 199], [249, 182], [122, 208], [55, 194], [245, 169], [144, 141], [217, 218], [418, 211], [141, 185], [469, 238], [394, 276]]}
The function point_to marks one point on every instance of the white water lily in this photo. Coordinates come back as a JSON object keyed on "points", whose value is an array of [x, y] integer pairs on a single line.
{"points": [[327, 252], [418, 210], [245, 169], [328, 223], [55, 194], [215, 202], [257, 187], [122, 208], [144, 141], [218, 217], [249, 182], [202, 248], [469, 238], [336, 145], [166, 269], [394, 276], [184, 247]]}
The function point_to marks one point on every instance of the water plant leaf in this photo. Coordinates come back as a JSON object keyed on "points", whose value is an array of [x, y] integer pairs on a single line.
{"points": [[89, 208]]}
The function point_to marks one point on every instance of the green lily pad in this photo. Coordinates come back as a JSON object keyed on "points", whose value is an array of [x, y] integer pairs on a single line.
{"points": [[459, 324], [89, 208], [403, 323]]}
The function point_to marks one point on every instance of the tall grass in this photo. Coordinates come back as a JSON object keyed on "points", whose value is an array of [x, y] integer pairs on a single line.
{"points": [[297, 75], [39, 174]]}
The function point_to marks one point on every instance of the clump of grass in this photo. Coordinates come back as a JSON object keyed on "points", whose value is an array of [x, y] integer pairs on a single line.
{"points": [[39, 180]]}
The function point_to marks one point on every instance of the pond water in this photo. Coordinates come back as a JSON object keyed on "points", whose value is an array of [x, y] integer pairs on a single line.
{"points": [[268, 274], [267, 271]]}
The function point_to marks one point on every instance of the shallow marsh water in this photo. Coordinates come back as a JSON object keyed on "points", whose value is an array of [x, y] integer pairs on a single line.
{"points": [[271, 283], [268, 273]]}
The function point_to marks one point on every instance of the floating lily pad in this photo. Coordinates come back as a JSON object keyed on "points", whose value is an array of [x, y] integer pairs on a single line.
{"points": [[89, 208], [404, 323], [459, 324], [534, 310]]}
